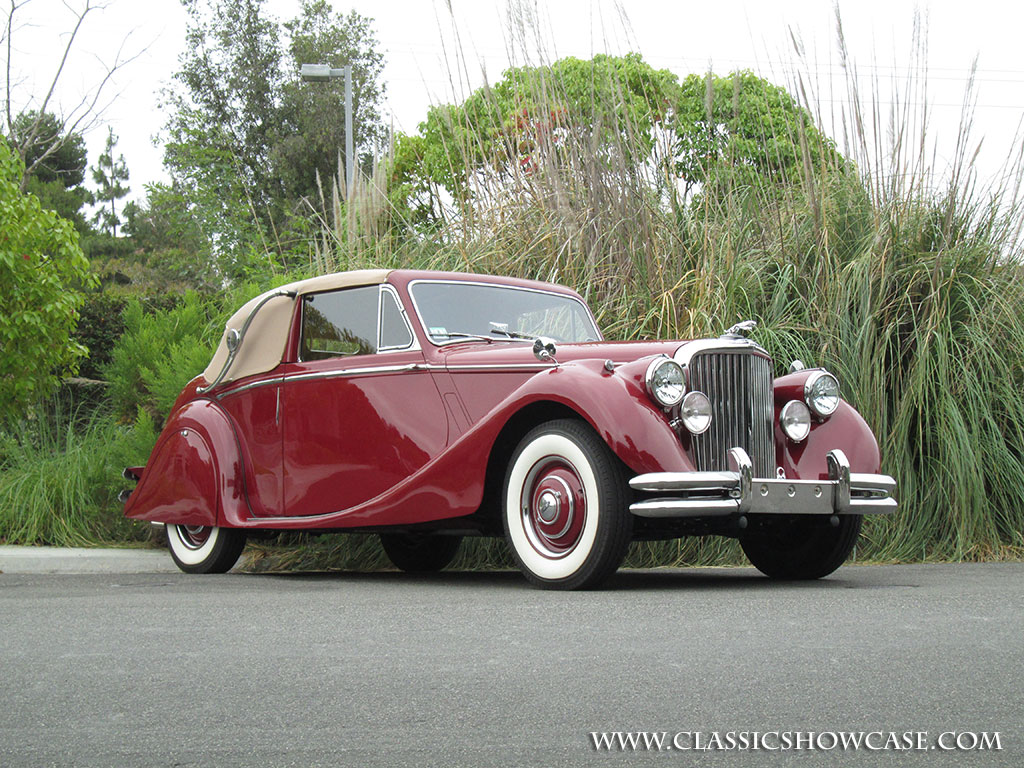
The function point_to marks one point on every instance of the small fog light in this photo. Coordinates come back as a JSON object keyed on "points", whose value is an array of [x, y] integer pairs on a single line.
{"points": [[795, 421], [695, 412]]}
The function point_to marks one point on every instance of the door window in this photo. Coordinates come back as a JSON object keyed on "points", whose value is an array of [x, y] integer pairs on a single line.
{"points": [[340, 323]]}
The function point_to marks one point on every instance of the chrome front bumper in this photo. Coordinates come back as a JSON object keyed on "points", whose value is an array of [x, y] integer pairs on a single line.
{"points": [[716, 494]]}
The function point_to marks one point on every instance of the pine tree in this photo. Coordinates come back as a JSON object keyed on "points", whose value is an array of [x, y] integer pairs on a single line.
{"points": [[108, 176]]}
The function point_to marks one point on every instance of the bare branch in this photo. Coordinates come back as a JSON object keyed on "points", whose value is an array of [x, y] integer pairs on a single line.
{"points": [[86, 114]]}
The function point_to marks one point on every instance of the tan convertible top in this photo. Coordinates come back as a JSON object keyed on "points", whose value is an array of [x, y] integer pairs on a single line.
{"points": [[264, 343]]}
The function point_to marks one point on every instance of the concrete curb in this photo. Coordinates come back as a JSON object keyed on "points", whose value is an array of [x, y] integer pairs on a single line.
{"points": [[77, 560]]}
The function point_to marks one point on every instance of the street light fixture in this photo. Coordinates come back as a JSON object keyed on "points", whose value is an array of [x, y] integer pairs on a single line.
{"points": [[322, 73]]}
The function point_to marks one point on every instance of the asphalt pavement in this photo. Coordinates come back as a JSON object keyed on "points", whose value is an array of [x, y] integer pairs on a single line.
{"points": [[479, 669]]}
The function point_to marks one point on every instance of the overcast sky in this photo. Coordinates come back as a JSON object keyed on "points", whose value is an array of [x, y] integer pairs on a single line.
{"points": [[418, 43]]}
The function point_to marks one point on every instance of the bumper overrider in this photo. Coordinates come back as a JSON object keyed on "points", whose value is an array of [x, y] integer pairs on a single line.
{"points": [[738, 492]]}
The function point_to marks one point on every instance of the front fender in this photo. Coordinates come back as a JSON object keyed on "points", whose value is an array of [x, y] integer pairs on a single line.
{"points": [[615, 405], [194, 472], [845, 429]]}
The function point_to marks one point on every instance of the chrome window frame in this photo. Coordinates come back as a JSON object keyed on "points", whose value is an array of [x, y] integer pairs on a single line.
{"points": [[485, 284], [413, 342], [380, 302]]}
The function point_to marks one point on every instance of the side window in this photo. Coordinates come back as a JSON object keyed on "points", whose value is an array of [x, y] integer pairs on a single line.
{"points": [[394, 331], [339, 323]]}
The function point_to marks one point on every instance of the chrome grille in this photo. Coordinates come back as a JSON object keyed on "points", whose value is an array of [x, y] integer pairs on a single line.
{"points": [[739, 384]]}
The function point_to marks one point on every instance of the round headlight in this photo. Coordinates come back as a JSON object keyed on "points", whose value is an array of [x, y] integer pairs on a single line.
{"points": [[666, 382], [695, 412], [795, 420], [822, 393]]}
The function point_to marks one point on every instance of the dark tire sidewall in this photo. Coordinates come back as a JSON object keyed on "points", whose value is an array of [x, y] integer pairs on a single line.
{"points": [[422, 553], [807, 554]]}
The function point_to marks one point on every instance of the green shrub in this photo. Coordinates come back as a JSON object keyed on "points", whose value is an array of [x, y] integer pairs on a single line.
{"points": [[159, 352], [59, 483], [100, 325]]}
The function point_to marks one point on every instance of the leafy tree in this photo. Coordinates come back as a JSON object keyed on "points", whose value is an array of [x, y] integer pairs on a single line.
{"points": [[108, 175], [41, 266], [707, 134], [312, 114], [174, 254], [228, 94], [742, 130], [245, 139], [534, 116], [58, 162]]}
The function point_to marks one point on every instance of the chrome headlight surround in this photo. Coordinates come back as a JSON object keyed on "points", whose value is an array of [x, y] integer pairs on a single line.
{"points": [[695, 413], [821, 393], [666, 382], [795, 420]]}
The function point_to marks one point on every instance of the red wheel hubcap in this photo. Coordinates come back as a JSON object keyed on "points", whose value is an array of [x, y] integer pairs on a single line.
{"points": [[554, 507], [194, 536]]}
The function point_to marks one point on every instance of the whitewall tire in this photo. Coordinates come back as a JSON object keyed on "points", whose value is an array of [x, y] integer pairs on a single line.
{"points": [[204, 549], [565, 506]]}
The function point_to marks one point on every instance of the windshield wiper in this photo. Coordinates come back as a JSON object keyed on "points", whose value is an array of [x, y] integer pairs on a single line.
{"points": [[466, 336], [458, 335], [512, 336], [502, 329]]}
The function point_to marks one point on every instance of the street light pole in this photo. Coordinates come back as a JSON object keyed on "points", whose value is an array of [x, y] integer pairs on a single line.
{"points": [[320, 73]]}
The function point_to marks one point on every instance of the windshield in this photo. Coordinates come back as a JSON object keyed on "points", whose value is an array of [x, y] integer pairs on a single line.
{"points": [[454, 311]]}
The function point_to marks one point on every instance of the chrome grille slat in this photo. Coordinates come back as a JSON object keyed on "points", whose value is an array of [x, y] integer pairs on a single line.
{"points": [[739, 385]]}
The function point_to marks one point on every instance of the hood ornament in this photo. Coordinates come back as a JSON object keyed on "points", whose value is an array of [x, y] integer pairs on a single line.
{"points": [[741, 330]]}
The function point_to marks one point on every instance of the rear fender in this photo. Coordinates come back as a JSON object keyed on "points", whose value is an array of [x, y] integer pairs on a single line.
{"points": [[194, 472]]}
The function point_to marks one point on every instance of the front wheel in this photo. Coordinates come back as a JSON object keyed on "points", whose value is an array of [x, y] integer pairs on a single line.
{"points": [[565, 507], [204, 548], [801, 548]]}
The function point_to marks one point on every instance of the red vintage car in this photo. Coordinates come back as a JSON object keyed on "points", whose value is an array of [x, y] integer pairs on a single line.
{"points": [[429, 406]]}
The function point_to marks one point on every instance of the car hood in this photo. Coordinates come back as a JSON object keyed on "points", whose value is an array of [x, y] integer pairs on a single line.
{"points": [[521, 352]]}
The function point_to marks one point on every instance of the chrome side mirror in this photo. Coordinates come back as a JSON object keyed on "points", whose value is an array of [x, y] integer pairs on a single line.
{"points": [[544, 350], [796, 365]]}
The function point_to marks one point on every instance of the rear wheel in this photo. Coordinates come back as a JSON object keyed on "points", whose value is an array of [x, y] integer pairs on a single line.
{"points": [[799, 548], [565, 507], [205, 548], [420, 552]]}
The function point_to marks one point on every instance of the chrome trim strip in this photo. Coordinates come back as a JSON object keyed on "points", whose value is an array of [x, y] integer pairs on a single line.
{"points": [[253, 385], [425, 327], [685, 507], [496, 367], [373, 370], [685, 481], [369, 370]]}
